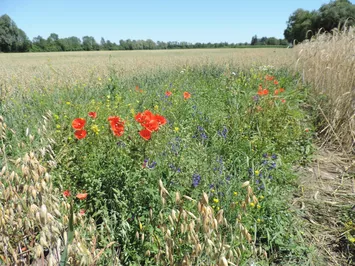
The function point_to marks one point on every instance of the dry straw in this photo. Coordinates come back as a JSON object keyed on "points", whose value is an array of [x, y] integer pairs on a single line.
{"points": [[327, 63]]}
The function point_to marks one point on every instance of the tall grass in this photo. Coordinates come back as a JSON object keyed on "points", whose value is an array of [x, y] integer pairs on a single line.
{"points": [[327, 63]]}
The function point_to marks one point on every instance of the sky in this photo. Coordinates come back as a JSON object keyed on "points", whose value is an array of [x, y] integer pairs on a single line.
{"points": [[231, 21]]}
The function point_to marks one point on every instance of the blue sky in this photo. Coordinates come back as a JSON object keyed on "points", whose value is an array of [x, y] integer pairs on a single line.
{"points": [[159, 20]]}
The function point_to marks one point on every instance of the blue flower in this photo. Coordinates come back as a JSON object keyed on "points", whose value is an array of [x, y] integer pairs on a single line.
{"points": [[272, 166], [223, 132], [152, 165], [274, 156], [196, 178], [121, 144]]}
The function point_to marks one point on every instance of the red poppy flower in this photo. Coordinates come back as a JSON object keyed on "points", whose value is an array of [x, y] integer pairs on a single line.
{"points": [[283, 100], [118, 132], [168, 93], [147, 115], [80, 134], [187, 95], [139, 117], [277, 91], [161, 119], [151, 125], [78, 123], [145, 134], [66, 193], [82, 212], [137, 88], [93, 115], [82, 196], [117, 125], [282, 89], [276, 82], [263, 92]]}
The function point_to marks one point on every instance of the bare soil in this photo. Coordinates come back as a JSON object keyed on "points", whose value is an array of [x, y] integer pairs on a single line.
{"points": [[325, 201]]}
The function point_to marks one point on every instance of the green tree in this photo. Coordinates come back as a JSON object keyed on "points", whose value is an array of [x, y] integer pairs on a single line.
{"points": [[254, 40], [89, 44], [103, 44], [303, 23], [12, 39], [335, 13], [272, 41]]}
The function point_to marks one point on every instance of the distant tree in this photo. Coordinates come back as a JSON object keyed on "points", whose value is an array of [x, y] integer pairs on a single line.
{"points": [[53, 44], [89, 44], [272, 41], [299, 23], [302, 23], [103, 44], [12, 39], [38, 44], [254, 40], [22, 42]]}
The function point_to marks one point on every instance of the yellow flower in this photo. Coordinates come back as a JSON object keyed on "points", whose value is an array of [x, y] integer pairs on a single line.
{"points": [[156, 107], [352, 239], [176, 129], [258, 220], [57, 126], [212, 190], [258, 206], [235, 193], [69, 138], [252, 204], [68, 103], [140, 226], [99, 79], [56, 117], [217, 208], [261, 197], [215, 200], [257, 172], [95, 129]]}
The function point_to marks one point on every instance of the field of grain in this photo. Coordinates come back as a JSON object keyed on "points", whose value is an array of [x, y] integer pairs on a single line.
{"points": [[40, 70]]}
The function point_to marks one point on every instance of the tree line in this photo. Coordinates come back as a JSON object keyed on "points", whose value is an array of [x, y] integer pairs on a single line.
{"points": [[13, 39], [303, 24]]}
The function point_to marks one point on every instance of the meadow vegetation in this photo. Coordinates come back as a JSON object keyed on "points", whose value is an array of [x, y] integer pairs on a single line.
{"points": [[153, 158]]}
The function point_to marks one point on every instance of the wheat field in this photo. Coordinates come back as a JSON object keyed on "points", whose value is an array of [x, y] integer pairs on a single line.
{"points": [[65, 69]]}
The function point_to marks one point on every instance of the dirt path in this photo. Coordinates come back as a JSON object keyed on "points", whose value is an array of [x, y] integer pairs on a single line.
{"points": [[326, 201]]}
